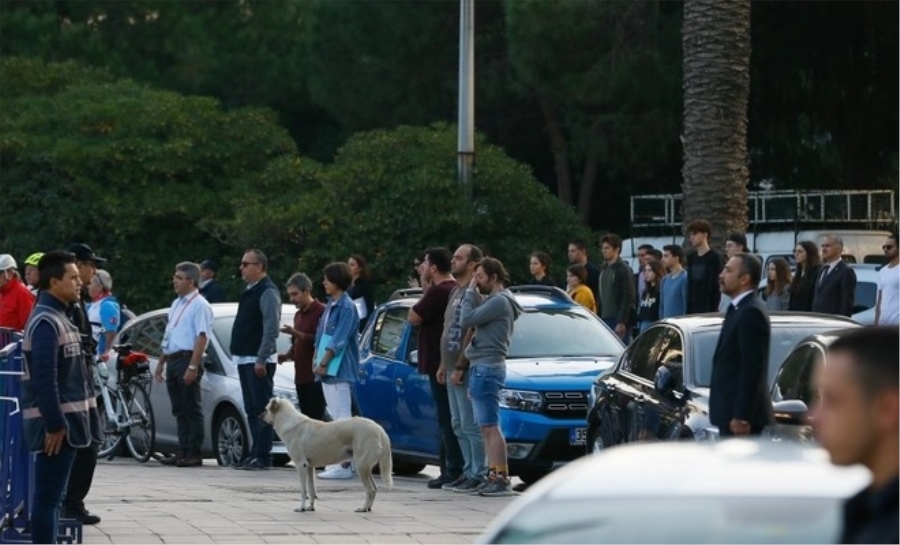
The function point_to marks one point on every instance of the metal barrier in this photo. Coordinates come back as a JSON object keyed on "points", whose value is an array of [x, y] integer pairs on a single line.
{"points": [[16, 462]]}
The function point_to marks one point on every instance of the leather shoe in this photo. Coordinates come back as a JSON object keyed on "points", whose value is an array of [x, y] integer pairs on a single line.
{"points": [[170, 460], [83, 516], [189, 461]]}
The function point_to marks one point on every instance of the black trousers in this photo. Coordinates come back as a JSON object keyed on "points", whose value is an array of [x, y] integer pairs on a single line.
{"points": [[312, 400], [185, 406], [81, 478]]}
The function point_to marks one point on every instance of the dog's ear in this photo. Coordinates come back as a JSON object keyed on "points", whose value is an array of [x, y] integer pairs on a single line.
{"points": [[273, 405]]}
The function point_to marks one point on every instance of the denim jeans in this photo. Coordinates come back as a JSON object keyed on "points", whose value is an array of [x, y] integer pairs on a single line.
{"points": [[186, 406], [51, 474], [485, 383], [451, 455], [462, 418], [257, 391], [611, 322]]}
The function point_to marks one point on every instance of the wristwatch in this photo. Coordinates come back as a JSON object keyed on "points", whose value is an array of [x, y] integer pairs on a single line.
{"points": [[192, 367]]}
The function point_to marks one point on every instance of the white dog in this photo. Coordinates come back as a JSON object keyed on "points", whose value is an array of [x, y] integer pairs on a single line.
{"points": [[312, 443]]}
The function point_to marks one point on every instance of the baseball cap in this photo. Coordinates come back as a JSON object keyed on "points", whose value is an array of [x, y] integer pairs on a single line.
{"points": [[209, 264], [83, 252], [7, 262]]}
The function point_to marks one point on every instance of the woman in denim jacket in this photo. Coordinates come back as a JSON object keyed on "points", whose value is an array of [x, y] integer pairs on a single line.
{"points": [[336, 337]]}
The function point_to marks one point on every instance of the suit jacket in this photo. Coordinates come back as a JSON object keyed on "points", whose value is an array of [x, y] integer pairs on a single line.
{"points": [[835, 291], [213, 292], [740, 387]]}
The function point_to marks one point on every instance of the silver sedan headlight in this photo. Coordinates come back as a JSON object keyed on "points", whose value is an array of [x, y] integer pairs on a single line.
{"points": [[521, 400], [710, 433]]}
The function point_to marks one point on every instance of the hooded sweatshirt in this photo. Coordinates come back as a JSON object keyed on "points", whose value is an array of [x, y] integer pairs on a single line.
{"points": [[493, 322]]}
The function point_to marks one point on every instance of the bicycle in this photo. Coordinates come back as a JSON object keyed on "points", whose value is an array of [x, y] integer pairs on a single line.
{"points": [[126, 415]]}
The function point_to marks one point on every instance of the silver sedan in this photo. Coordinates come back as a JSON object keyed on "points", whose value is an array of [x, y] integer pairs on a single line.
{"points": [[226, 434]]}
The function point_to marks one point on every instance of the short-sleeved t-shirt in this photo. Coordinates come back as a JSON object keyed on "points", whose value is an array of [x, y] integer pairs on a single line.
{"points": [[431, 309], [105, 317], [889, 285]]}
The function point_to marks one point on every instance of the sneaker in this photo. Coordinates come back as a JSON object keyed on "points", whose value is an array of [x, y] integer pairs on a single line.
{"points": [[453, 484], [336, 472], [243, 463], [482, 485], [498, 487], [440, 481], [470, 484]]}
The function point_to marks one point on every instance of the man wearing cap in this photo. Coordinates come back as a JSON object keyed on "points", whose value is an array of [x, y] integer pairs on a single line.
{"points": [[210, 288], [15, 299], [85, 458]]}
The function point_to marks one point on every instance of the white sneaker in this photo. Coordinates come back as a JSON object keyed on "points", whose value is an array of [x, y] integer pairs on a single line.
{"points": [[336, 472]]}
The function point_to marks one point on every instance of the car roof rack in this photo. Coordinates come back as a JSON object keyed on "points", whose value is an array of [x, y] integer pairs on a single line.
{"points": [[542, 289]]}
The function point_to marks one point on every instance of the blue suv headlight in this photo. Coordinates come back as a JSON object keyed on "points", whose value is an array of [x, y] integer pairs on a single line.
{"points": [[521, 400]]}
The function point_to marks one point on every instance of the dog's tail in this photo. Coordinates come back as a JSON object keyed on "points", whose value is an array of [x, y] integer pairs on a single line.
{"points": [[386, 463]]}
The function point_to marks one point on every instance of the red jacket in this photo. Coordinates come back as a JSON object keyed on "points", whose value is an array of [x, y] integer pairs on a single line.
{"points": [[16, 303]]}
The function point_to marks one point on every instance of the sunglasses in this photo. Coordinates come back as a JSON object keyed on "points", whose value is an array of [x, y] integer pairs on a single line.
{"points": [[887, 247], [248, 263]]}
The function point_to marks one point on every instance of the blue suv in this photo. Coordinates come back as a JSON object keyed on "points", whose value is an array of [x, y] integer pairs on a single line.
{"points": [[558, 349]]}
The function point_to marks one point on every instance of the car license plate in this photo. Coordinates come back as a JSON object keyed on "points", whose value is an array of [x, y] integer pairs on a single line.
{"points": [[578, 436]]}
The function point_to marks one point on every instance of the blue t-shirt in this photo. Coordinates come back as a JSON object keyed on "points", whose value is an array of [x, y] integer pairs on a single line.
{"points": [[105, 317], [673, 295]]}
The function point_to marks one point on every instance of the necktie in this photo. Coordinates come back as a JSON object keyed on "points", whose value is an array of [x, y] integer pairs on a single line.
{"points": [[824, 273]]}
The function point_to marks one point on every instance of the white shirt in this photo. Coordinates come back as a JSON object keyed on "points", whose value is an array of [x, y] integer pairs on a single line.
{"points": [[189, 316], [889, 286], [740, 297]]}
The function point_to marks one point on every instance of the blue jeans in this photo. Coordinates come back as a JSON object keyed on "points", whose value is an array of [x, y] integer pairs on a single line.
{"points": [[257, 391], [462, 417], [611, 322], [451, 455], [51, 474], [485, 382]]}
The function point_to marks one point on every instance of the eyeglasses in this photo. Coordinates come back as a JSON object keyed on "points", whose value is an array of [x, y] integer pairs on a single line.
{"points": [[248, 263], [887, 247]]}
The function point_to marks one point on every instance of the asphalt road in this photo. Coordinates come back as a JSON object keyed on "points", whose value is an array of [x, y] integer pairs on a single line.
{"points": [[152, 503]]}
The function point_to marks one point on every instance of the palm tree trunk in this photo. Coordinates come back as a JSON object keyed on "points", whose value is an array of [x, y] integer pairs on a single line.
{"points": [[716, 46]]}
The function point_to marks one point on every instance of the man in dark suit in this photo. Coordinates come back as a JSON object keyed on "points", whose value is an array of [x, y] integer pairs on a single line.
{"points": [[739, 401], [210, 288], [836, 285]]}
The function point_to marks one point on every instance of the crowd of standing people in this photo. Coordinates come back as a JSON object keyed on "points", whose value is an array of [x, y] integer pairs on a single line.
{"points": [[465, 317]]}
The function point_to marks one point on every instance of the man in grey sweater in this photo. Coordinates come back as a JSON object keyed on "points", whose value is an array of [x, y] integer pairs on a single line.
{"points": [[493, 321]]}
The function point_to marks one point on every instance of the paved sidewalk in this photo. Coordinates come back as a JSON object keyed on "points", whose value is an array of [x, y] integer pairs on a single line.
{"points": [[152, 503]]}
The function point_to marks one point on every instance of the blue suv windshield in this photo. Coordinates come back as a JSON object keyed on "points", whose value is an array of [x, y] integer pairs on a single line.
{"points": [[561, 332]]}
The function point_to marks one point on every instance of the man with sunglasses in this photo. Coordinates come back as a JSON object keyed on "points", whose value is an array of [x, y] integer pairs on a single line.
{"points": [[253, 335], [887, 305]]}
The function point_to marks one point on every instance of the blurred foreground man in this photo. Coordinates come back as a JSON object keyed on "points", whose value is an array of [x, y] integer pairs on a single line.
{"points": [[856, 421]]}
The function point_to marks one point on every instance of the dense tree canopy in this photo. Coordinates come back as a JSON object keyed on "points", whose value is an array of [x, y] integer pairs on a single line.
{"points": [[822, 113]]}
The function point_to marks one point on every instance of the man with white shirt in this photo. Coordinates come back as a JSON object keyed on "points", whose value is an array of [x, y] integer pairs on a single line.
{"points": [[836, 285], [187, 334], [887, 305]]}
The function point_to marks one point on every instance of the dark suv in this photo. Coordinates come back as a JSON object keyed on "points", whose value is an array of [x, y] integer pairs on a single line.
{"points": [[557, 349]]}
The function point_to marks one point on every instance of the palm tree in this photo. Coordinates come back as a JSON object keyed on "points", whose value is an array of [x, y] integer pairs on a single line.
{"points": [[716, 46]]}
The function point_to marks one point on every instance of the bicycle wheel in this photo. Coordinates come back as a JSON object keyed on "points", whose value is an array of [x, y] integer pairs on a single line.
{"points": [[141, 436], [111, 437]]}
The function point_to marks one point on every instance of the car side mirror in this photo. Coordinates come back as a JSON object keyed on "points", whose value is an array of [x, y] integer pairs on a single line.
{"points": [[414, 357], [664, 381], [791, 411]]}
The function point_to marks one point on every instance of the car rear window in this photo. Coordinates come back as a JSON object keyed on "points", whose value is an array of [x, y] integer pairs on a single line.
{"points": [[549, 333], [784, 338]]}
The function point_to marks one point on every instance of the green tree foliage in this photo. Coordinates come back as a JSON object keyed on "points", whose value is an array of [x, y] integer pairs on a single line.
{"points": [[391, 194], [130, 170], [608, 87]]}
